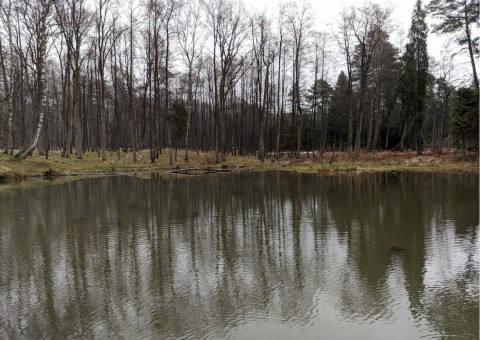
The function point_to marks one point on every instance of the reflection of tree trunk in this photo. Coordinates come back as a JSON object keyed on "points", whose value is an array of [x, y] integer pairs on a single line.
{"points": [[296, 218], [415, 262], [48, 281]]}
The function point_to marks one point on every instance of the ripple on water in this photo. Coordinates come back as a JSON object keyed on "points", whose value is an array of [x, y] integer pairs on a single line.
{"points": [[285, 263]]}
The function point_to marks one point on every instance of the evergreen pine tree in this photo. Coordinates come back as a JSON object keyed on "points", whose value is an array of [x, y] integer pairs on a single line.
{"points": [[414, 74], [461, 18], [339, 112], [465, 118]]}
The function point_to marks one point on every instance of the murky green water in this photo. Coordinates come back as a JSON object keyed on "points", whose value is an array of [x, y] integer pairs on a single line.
{"points": [[244, 256]]}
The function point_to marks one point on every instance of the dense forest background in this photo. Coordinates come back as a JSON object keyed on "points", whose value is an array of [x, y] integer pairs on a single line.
{"points": [[97, 75]]}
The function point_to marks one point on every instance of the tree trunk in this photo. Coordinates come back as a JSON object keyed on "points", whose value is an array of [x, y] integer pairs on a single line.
{"points": [[189, 110], [132, 115], [470, 46], [361, 109], [376, 131], [103, 135], [418, 133], [40, 73], [46, 140], [280, 102], [9, 97], [370, 126], [76, 113], [350, 116], [167, 99]]}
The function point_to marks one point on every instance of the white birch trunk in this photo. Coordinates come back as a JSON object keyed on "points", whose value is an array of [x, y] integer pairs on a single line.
{"points": [[40, 64]]}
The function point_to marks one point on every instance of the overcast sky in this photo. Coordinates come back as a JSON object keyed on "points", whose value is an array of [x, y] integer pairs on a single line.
{"points": [[328, 12]]}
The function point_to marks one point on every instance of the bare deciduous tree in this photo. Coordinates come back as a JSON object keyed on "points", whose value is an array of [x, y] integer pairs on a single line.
{"points": [[190, 37], [74, 20], [229, 31], [37, 15]]}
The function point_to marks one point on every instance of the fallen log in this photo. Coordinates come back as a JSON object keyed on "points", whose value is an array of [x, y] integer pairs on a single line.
{"points": [[198, 171]]}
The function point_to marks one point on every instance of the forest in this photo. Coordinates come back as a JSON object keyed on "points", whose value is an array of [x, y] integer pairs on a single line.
{"points": [[82, 76]]}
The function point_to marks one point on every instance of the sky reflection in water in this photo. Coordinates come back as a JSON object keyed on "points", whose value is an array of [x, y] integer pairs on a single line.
{"points": [[244, 256]]}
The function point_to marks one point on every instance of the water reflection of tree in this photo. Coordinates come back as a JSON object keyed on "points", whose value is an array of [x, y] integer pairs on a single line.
{"points": [[105, 253]]}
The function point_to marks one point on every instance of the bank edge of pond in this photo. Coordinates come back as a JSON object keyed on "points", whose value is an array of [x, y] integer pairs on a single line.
{"points": [[203, 164], [40, 181]]}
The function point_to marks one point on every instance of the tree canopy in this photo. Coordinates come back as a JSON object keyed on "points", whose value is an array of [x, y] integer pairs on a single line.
{"points": [[79, 75]]}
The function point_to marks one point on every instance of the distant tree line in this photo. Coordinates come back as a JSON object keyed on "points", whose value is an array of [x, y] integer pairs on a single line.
{"points": [[80, 75]]}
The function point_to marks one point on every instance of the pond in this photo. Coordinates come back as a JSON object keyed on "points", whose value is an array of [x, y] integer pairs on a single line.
{"points": [[242, 256]]}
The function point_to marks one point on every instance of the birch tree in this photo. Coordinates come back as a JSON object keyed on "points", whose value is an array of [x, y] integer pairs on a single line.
{"points": [[38, 14], [7, 72]]}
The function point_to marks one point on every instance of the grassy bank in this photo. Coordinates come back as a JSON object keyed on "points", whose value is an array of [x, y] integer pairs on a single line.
{"points": [[37, 166]]}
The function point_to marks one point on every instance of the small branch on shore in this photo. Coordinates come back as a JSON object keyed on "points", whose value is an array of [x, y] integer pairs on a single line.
{"points": [[199, 171], [50, 173]]}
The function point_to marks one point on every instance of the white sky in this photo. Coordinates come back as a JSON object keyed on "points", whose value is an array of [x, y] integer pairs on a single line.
{"points": [[328, 12]]}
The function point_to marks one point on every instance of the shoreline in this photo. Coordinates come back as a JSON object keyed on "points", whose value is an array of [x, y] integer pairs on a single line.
{"points": [[203, 163]]}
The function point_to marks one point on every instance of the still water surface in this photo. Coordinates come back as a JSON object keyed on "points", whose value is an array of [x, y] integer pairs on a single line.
{"points": [[242, 256]]}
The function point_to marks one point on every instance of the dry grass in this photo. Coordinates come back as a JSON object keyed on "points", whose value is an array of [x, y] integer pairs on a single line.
{"points": [[36, 165]]}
